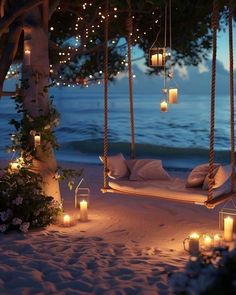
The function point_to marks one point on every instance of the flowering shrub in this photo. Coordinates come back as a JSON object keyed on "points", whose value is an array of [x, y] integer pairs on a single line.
{"points": [[213, 274], [23, 205]]}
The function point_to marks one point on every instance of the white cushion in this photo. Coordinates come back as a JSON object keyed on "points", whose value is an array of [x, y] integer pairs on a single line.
{"points": [[223, 173], [198, 174], [117, 166], [147, 169]]}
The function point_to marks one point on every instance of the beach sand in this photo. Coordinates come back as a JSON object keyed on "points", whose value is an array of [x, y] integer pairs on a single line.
{"points": [[130, 245]]}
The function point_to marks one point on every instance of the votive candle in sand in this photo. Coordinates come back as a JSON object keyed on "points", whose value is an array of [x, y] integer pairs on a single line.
{"points": [[164, 106], [207, 240], [228, 229], [83, 210], [27, 57], [217, 240], [66, 220], [194, 244]]}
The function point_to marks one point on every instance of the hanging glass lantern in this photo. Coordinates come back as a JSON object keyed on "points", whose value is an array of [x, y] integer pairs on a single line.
{"points": [[157, 57], [164, 106], [173, 95], [228, 211]]}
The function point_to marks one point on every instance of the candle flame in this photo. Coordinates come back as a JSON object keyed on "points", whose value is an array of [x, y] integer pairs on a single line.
{"points": [[66, 218], [216, 237], [194, 236]]}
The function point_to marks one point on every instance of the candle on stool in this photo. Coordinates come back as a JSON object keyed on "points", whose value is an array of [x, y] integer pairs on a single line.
{"points": [[228, 229], [83, 210], [66, 220]]}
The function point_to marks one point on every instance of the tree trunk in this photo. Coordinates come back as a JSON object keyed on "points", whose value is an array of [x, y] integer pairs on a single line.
{"points": [[35, 75]]}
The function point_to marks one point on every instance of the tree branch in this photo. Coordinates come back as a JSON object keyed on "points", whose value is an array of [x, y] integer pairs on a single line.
{"points": [[6, 21], [10, 51]]}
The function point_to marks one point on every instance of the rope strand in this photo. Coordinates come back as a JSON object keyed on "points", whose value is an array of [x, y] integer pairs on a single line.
{"points": [[105, 160], [129, 41], [231, 75], [213, 82]]}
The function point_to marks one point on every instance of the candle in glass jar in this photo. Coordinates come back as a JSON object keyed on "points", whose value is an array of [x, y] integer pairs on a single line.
{"points": [[83, 210], [228, 229], [66, 220], [194, 244]]}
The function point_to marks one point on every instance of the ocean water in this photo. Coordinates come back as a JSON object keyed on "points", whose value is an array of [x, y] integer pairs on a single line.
{"points": [[179, 137]]}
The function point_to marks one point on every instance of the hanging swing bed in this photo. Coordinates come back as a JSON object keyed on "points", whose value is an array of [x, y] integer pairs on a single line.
{"points": [[219, 181]]}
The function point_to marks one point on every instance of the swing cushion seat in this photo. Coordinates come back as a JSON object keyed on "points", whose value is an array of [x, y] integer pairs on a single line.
{"points": [[174, 189]]}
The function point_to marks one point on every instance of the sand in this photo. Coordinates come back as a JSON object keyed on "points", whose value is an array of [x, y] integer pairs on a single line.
{"points": [[130, 245]]}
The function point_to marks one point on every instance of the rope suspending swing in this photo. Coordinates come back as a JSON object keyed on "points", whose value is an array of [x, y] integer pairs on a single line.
{"points": [[210, 199]]}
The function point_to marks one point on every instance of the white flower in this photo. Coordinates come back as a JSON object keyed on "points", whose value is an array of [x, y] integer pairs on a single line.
{"points": [[3, 228], [18, 200], [16, 221], [24, 226], [4, 216]]}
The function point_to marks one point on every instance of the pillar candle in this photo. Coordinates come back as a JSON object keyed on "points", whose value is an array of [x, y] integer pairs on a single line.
{"points": [[228, 229], [157, 60], [83, 210], [173, 95], [37, 140], [27, 57], [164, 106], [66, 220], [194, 244]]}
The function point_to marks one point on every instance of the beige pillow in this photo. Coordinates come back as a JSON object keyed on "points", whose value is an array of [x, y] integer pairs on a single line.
{"points": [[198, 174], [117, 166], [147, 169], [222, 174]]}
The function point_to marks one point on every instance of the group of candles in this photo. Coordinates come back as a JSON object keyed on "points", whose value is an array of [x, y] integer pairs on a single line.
{"points": [[67, 220], [172, 98], [207, 241]]}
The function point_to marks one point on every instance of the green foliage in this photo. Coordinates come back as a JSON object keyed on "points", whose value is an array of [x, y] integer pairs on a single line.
{"points": [[27, 126], [23, 205], [69, 175]]}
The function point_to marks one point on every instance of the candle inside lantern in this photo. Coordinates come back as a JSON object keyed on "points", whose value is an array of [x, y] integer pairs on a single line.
{"points": [[37, 140], [164, 106], [217, 240], [173, 95], [228, 229], [66, 220], [157, 60], [27, 57], [194, 244], [207, 242], [83, 210]]}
